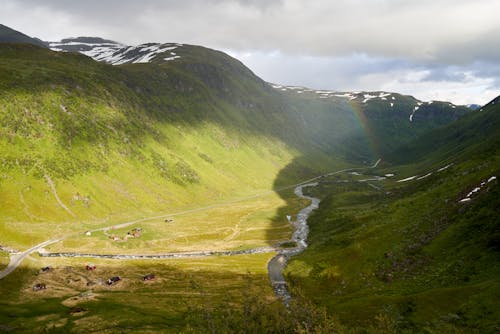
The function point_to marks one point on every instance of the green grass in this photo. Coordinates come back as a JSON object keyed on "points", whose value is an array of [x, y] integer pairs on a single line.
{"points": [[4, 259], [161, 304], [408, 253], [86, 145], [244, 224]]}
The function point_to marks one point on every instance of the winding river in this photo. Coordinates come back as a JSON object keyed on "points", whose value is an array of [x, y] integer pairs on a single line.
{"points": [[277, 264]]}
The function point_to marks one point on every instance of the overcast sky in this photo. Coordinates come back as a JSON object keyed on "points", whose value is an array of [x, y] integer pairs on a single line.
{"points": [[432, 49]]}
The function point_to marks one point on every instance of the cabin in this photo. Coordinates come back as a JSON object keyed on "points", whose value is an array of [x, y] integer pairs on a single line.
{"points": [[74, 310], [149, 277], [39, 286], [46, 269], [113, 280], [90, 267], [135, 233]]}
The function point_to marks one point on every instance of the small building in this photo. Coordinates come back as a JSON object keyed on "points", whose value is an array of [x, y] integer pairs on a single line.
{"points": [[135, 233], [74, 310], [90, 267], [113, 280], [149, 277], [39, 286]]}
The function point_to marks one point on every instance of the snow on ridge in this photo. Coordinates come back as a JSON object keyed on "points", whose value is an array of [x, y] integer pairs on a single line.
{"points": [[154, 50], [414, 110], [423, 177], [171, 58], [408, 179], [445, 167], [117, 54], [368, 97], [468, 198]]}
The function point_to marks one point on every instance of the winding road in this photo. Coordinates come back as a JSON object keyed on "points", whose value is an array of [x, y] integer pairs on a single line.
{"points": [[17, 258]]}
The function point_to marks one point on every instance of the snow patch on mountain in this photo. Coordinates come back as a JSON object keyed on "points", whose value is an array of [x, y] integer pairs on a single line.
{"points": [[115, 53], [415, 110], [408, 179], [476, 190]]}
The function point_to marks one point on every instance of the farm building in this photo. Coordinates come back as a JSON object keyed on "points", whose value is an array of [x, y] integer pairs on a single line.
{"points": [[149, 277], [113, 280]]}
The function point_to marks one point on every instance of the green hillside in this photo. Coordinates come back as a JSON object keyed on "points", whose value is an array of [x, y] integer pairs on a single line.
{"points": [[414, 256], [82, 141], [8, 35], [85, 145], [124, 142]]}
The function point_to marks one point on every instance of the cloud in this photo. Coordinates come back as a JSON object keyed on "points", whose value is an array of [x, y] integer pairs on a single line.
{"points": [[478, 83], [321, 43], [425, 30]]}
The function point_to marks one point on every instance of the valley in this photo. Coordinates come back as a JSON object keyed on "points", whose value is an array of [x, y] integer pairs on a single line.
{"points": [[226, 204]]}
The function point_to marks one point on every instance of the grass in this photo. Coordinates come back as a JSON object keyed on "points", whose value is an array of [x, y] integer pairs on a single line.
{"points": [[131, 304], [243, 224], [408, 253], [86, 145], [4, 259]]}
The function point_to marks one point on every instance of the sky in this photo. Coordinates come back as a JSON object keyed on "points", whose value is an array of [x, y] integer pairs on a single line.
{"points": [[431, 49]]}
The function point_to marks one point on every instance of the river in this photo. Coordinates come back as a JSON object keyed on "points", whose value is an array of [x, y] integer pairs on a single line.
{"points": [[277, 264]]}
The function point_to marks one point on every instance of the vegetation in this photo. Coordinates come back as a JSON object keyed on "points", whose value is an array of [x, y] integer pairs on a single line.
{"points": [[410, 253], [205, 142]]}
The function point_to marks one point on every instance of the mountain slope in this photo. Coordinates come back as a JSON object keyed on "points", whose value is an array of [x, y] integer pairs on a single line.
{"points": [[475, 134], [408, 254], [199, 129], [8, 35]]}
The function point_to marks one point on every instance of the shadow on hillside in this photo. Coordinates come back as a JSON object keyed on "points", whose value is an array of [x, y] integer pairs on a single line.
{"points": [[194, 301], [307, 167]]}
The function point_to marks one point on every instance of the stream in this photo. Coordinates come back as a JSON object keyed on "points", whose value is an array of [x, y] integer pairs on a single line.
{"points": [[277, 264]]}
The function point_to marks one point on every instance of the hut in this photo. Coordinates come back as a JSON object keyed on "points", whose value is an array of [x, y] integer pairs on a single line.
{"points": [[149, 277], [113, 280]]}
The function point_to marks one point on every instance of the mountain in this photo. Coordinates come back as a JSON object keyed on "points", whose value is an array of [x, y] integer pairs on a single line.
{"points": [[416, 248], [8, 35], [473, 106], [74, 121], [388, 119], [476, 133], [183, 130], [116, 53]]}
